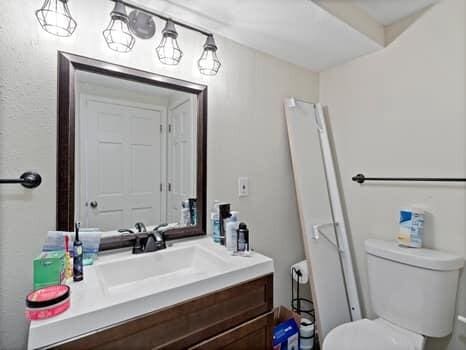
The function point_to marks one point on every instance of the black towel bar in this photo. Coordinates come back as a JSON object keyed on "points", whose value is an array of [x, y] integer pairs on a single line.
{"points": [[29, 180], [361, 178]]}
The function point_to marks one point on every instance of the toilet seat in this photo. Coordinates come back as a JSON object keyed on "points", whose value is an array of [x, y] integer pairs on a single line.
{"points": [[369, 335]]}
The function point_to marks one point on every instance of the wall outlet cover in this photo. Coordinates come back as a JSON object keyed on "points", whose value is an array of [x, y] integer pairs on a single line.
{"points": [[243, 186]]}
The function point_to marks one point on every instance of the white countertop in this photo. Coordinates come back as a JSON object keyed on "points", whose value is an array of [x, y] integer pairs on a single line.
{"points": [[96, 303]]}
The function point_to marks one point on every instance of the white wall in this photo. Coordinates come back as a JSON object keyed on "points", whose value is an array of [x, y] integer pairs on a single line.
{"points": [[246, 136], [401, 112]]}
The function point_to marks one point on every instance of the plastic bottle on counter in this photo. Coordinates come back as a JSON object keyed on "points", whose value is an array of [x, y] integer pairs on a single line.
{"points": [[243, 240], [185, 219], [231, 231], [215, 221]]}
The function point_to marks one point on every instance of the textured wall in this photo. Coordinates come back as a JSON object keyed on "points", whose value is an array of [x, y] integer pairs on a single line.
{"points": [[246, 136], [401, 112]]}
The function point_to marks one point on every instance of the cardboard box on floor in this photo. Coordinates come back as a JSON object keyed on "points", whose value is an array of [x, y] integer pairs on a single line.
{"points": [[286, 329], [282, 314]]}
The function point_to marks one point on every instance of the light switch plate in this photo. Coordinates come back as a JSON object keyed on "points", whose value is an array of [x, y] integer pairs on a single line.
{"points": [[243, 186]]}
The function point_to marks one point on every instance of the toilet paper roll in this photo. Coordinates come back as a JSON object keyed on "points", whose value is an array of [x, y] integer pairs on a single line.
{"points": [[306, 333], [302, 267]]}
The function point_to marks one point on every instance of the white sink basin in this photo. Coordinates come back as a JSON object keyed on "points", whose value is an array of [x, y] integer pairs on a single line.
{"points": [[121, 286], [161, 269]]}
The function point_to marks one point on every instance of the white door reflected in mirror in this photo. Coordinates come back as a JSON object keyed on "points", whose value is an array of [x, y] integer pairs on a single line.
{"points": [[135, 153], [182, 154]]}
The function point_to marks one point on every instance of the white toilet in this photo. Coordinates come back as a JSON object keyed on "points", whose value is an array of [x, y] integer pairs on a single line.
{"points": [[413, 292]]}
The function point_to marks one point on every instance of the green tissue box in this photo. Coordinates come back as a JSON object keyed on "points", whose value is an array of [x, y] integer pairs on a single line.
{"points": [[49, 269]]}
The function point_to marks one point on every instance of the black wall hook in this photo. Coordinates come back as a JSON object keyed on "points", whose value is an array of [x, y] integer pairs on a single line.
{"points": [[28, 179]]}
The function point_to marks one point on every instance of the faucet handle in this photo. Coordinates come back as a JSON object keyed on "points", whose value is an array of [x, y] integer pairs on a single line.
{"points": [[125, 230], [140, 227], [159, 236]]}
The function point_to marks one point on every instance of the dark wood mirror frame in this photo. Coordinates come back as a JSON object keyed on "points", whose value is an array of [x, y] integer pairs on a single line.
{"points": [[68, 64]]}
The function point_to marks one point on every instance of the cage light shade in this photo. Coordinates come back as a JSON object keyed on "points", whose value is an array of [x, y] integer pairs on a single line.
{"points": [[169, 51], [55, 18], [117, 34], [209, 63]]}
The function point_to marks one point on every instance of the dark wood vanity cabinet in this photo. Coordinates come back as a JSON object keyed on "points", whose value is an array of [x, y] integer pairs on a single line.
{"points": [[238, 317], [252, 335]]}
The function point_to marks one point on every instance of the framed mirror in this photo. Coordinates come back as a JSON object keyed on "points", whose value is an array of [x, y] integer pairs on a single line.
{"points": [[131, 149]]}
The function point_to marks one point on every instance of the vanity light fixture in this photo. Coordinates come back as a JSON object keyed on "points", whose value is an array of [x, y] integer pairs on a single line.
{"points": [[117, 35], [168, 51], [55, 18], [208, 63]]}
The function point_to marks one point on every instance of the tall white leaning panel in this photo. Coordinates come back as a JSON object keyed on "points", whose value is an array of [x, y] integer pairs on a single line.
{"points": [[332, 279]]}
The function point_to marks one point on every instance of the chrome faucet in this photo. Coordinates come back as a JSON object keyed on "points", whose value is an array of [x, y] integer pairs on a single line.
{"points": [[152, 242]]}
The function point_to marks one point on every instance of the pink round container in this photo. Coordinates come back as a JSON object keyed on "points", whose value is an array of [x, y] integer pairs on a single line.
{"points": [[47, 302]]}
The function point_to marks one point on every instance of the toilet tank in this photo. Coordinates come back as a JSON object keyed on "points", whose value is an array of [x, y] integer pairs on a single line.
{"points": [[414, 288]]}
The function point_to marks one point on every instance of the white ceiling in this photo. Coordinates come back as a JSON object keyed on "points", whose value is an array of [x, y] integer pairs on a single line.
{"points": [[388, 11], [297, 31]]}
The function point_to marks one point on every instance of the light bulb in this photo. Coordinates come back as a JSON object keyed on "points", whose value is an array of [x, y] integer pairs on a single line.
{"points": [[168, 51], [117, 34], [55, 18], [209, 63]]}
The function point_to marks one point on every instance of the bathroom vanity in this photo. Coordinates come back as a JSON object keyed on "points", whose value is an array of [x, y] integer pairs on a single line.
{"points": [[191, 295]]}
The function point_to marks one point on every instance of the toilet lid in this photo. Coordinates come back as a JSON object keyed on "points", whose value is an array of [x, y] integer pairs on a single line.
{"points": [[370, 335]]}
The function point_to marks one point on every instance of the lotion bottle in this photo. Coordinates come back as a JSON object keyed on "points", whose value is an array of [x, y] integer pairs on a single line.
{"points": [[231, 233], [68, 261]]}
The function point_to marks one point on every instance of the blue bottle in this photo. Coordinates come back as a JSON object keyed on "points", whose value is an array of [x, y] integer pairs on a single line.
{"points": [[215, 221]]}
